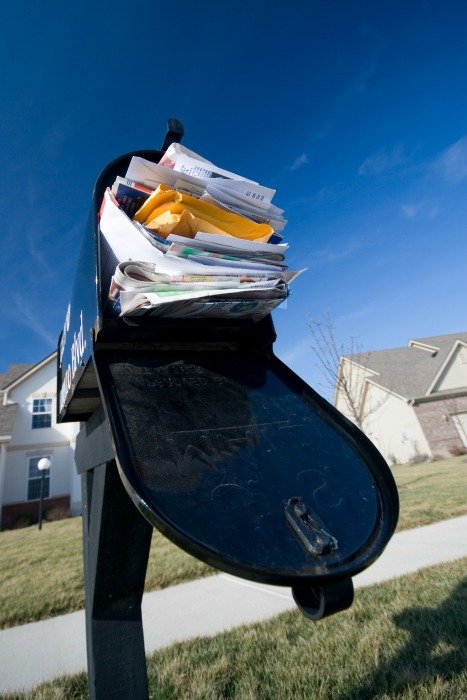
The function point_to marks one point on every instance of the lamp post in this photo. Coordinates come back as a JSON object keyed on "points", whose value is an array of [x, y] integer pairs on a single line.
{"points": [[43, 465]]}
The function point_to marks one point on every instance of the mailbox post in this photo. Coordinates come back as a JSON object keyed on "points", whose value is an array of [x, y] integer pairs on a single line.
{"points": [[193, 426]]}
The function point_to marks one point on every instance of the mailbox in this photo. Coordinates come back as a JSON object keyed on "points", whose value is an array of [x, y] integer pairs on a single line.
{"points": [[219, 445]]}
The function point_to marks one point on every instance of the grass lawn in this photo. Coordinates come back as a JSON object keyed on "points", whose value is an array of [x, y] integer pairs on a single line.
{"points": [[431, 492], [402, 639], [52, 558]]}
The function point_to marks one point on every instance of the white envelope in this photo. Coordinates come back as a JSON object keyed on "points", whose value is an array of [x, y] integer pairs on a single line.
{"points": [[122, 235], [152, 174]]}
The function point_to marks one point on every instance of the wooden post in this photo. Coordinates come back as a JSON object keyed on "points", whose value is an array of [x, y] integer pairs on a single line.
{"points": [[116, 541]]}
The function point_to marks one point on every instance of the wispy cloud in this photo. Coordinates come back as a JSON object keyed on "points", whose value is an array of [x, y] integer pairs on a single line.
{"points": [[410, 211], [299, 161], [297, 351], [359, 84], [29, 316], [383, 160], [425, 209], [36, 251], [336, 253], [452, 162], [355, 315]]}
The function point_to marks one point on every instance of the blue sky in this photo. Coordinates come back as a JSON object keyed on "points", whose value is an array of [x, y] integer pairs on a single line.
{"points": [[356, 112]]}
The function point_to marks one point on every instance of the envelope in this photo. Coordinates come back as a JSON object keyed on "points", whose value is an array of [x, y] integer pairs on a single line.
{"points": [[183, 160], [167, 211], [152, 174]]}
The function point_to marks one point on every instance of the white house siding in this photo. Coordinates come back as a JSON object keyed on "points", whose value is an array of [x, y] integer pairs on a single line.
{"points": [[454, 375], [393, 427], [41, 384], [354, 376], [16, 477], [56, 442]]}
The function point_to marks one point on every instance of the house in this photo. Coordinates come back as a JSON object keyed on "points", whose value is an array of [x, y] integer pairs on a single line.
{"points": [[411, 401], [28, 432]]}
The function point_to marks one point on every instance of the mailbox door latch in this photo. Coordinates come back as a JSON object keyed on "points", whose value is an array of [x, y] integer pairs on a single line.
{"points": [[309, 528]]}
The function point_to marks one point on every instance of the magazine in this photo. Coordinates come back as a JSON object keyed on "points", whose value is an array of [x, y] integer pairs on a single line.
{"points": [[130, 195]]}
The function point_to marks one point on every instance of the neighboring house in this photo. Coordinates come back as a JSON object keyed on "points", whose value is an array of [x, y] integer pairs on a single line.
{"points": [[411, 402], [28, 431]]}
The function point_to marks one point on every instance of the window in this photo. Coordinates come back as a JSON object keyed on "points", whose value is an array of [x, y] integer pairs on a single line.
{"points": [[35, 478], [41, 413]]}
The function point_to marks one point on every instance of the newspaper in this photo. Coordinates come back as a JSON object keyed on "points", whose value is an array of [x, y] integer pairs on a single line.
{"points": [[252, 309], [135, 276], [195, 306]]}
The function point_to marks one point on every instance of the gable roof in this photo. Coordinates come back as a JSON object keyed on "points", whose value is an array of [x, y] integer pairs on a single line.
{"points": [[17, 373], [410, 372], [8, 412], [13, 373]]}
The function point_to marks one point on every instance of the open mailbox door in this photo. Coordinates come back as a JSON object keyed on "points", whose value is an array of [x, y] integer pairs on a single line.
{"points": [[239, 462], [219, 445]]}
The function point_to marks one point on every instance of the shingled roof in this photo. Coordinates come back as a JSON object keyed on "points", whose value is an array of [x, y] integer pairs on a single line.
{"points": [[13, 373], [8, 412], [410, 371]]}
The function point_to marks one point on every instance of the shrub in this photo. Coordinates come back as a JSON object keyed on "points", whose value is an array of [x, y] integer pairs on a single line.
{"points": [[457, 450], [22, 521], [419, 458], [57, 513]]}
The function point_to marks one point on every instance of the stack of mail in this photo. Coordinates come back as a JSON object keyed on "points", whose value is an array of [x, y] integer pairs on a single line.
{"points": [[203, 242]]}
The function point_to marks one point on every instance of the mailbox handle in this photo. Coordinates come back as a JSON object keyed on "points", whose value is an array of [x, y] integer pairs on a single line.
{"points": [[309, 528], [316, 602]]}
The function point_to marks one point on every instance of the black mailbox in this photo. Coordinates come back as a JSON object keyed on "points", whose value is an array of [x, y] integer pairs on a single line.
{"points": [[220, 446]]}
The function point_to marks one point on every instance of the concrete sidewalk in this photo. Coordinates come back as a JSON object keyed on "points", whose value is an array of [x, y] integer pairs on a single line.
{"points": [[42, 651]]}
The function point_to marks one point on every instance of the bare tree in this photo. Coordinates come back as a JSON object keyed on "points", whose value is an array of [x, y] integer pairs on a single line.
{"points": [[349, 380]]}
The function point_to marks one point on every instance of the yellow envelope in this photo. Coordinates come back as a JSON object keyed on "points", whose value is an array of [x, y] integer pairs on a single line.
{"points": [[167, 211], [161, 195]]}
